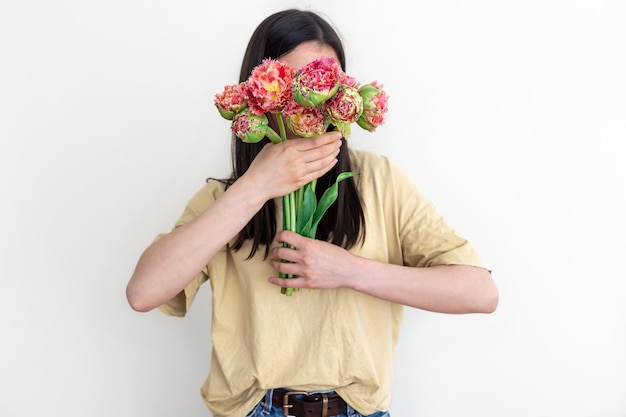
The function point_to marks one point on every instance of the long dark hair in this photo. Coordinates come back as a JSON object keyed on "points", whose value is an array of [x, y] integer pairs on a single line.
{"points": [[344, 222]]}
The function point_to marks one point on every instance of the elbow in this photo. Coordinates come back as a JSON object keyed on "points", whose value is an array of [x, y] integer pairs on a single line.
{"points": [[489, 299], [137, 302], [491, 303]]}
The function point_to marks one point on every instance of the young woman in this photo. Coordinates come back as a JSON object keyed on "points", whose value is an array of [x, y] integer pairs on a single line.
{"points": [[327, 350]]}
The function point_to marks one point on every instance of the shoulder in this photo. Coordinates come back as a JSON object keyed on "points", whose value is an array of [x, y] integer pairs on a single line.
{"points": [[381, 181], [202, 199], [208, 193], [377, 168], [369, 162]]}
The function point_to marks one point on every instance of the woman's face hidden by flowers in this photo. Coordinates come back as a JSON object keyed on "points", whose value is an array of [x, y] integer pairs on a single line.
{"points": [[300, 56], [307, 52]]}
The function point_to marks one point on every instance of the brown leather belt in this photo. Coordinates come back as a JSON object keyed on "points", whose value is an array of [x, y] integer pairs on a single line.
{"points": [[303, 404]]}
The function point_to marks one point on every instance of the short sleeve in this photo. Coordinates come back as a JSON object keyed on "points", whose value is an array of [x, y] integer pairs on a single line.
{"points": [[180, 304], [426, 237]]}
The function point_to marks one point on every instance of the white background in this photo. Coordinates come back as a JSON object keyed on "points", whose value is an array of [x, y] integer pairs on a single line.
{"points": [[510, 115]]}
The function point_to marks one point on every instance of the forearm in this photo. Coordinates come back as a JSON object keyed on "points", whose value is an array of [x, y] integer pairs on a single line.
{"points": [[170, 263], [443, 289]]}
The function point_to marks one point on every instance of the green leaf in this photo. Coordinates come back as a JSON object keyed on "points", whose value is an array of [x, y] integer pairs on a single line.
{"points": [[307, 209], [328, 198], [344, 128]]}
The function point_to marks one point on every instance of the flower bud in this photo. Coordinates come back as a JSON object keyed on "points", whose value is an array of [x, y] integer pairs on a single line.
{"points": [[304, 121], [269, 86], [249, 127], [344, 108], [316, 82], [348, 80], [374, 106], [230, 101]]}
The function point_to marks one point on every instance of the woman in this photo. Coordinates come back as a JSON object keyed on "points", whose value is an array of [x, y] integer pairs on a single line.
{"points": [[329, 350]]}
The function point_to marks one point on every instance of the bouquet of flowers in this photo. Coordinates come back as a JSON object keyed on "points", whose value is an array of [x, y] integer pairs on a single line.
{"points": [[308, 102]]}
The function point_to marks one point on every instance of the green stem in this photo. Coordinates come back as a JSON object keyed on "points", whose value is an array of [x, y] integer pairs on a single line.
{"points": [[273, 136], [289, 201], [292, 215], [299, 198], [281, 126]]}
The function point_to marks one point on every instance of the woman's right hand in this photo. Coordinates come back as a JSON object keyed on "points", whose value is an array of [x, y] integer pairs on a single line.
{"points": [[286, 166], [276, 171]]}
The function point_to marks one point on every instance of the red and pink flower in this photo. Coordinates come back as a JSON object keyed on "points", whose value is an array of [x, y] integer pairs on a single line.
{"points": [[374, 106], [344, 108], [346, 79], [269, 86], [308, 101], [249, 127], [316, 81], [331, 95], [231, 101], [305, 121]]}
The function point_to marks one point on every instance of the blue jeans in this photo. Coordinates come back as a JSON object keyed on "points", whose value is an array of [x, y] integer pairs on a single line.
{"points": [[265, 409]]}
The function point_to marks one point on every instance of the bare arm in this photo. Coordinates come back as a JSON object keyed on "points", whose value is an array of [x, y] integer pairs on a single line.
{"points": [[444, 289], [170, 263]]}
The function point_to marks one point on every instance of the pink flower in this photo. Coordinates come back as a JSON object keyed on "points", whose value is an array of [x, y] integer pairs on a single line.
{"points": [[304, 121], [307, 101], [269, 86], [249, 127], [374, 106], [316, 82], [230, 101], [344, 108], [348, 80]]}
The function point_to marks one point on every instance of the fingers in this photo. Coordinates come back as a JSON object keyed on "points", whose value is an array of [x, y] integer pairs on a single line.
{"points": [[324, 147], [313, 263], [318, 168], [305, 159], [325, 139], [285, 268], [288, 282], [319, 155], [286, 259], [290, 238], [286, 166]]}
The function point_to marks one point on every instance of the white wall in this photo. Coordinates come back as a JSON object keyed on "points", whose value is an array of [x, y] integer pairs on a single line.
{"points": [[511, 116]]}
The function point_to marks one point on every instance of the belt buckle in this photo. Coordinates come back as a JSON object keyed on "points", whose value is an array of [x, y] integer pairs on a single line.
{"points": [[286, 405]]}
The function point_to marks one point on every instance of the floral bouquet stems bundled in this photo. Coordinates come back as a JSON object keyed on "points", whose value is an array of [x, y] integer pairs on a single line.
{"points": [[307, 101]]}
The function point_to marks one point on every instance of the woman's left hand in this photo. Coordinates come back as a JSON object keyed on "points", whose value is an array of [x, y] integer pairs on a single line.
{"points": [[316, 263], [441, 288]]}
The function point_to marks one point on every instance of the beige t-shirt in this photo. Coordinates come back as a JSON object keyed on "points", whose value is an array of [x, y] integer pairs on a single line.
{"points": [[317, 339]]}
